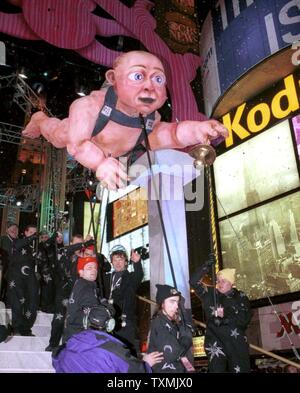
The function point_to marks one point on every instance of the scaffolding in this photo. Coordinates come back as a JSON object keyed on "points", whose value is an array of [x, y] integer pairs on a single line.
{"points": [[47, 198]]}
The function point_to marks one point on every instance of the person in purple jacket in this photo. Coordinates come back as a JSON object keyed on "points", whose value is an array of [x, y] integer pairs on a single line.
{"points": [[94, 350]]}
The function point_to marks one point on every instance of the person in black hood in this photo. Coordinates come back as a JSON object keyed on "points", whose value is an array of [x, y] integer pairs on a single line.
{"points": [[171, 332]]}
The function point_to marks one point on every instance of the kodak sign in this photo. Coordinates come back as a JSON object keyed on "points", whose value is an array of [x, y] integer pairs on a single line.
{"points": [[272, 106]]}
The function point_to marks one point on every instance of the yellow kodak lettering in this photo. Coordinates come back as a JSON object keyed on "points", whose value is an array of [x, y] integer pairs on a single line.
{"points": [[264, 109], [290, 92], [235, 126]]}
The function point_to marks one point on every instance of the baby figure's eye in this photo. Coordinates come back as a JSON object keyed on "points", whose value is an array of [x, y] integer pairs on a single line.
{"points": [[136, 76], [159, 79]]}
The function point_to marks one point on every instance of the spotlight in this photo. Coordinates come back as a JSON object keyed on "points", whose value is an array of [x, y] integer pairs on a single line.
{"points": [[18, 203], [38, 87], [81, 91], [22, 73]]}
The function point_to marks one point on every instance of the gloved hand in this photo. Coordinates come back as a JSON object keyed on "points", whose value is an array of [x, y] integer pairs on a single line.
{"points": [[109, 306], [210, 261], [217, 321], [90, 242], [186, 342]]}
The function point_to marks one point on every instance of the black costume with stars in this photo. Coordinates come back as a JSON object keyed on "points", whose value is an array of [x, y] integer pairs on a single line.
{"points": [[63, 283], [23, 286], [84, 294], [225, 342], [121, 288], [65, 274], [174, 340], [6, 250]]}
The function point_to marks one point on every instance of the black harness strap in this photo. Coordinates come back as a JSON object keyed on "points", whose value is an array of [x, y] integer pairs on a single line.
{"points": [[109, 112]]}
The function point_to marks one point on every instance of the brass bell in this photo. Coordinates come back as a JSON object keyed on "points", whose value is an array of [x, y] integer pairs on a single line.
{"points": [[204, 155]]}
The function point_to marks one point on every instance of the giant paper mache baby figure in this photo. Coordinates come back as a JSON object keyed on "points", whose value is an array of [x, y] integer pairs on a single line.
{"points": [[105, 125]]}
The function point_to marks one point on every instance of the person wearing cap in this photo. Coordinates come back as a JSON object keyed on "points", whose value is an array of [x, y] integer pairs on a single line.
{"points": [[95, 350], [120, 288], [227, 319], [169, 332], [84, 294], [6, 251]]}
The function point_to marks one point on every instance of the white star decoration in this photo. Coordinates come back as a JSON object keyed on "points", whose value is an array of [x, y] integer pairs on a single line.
{"points": [[47, 278], [22, 301], [65, 302], [24, 252], [214, 350], [28, 314], [234, 333], [212, 310], [59, 316], [237, 369], [12, 284]]}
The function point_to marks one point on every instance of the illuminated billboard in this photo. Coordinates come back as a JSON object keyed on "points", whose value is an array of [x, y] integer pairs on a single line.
{"points": [[263, 244], [257, 170], [127, 213]]}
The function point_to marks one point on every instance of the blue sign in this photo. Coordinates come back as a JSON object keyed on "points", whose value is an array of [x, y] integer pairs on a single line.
{"points": [[237, 34], [247, 31]]}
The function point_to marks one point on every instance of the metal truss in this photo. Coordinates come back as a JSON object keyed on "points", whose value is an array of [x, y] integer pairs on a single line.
{"points": [[26, 195], [76, 184], [8, 80], [24, 96], [48, 202], [10, 133]]}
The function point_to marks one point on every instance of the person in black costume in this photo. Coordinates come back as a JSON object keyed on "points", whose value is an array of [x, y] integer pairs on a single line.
{"points": [[45, 271], [65, 276], [22, 283], [6, 249], [84, 295], [171, 332], [225, 343], [120, 289]]}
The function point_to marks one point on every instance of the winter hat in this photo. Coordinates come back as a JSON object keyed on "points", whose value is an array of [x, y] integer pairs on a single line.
{"points": [[118, 249], [165, 291], [82, 261], [227, 274]]}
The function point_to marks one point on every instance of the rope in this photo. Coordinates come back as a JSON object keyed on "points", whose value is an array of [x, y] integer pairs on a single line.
{"points": [[212, 233]]}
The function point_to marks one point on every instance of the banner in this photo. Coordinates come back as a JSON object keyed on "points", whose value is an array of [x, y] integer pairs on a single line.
{"points": [[275, 329]]}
